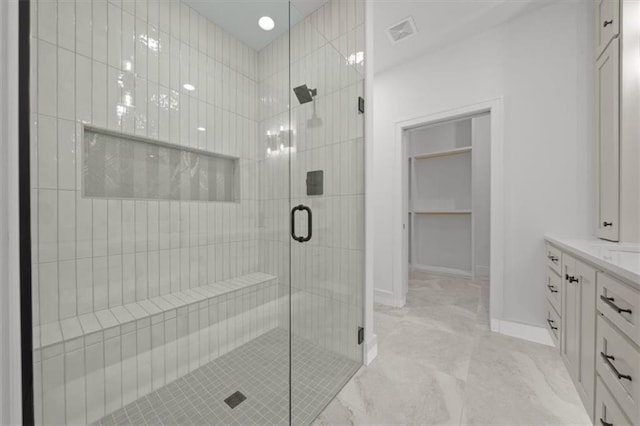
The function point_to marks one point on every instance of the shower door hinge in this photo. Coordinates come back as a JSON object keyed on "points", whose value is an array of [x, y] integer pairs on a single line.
{"points": [[360, 335], [360, 104]]}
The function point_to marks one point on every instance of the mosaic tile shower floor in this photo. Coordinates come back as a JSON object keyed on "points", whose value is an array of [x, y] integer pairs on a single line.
{"points": [[258, 369]]}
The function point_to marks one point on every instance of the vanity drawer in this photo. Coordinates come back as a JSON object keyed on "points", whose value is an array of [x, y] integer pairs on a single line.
{"points": [[620, 304], [607, 23], [553, 289], [553, 258], [618, 364], [608, 412], [553, 324]]}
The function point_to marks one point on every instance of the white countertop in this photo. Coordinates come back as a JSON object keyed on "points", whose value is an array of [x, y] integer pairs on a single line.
{"points": [[622, 259]]}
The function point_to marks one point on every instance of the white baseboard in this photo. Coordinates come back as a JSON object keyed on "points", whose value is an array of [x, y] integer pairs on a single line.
{"points": [[482, 271], [384, 297], [528, 332], [442, 271], [370, 349]]}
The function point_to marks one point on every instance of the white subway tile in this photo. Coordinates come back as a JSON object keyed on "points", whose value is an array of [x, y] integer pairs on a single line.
{"points": [[47, 78], [47, 20], [75, 387], [142, 281], [128, 278], [95, 382], [113, 374], [99, 95], [100, 283], [47, 152], [115, 280], [48, 284], [67, 289], [100, 223], [66, 84], [114, 38], [129, 368], [144, 360], [99, 28], [53, 395]]}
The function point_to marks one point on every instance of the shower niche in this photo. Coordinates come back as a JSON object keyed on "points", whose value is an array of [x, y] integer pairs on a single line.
{"points": [[168, 151], [117, 165]]}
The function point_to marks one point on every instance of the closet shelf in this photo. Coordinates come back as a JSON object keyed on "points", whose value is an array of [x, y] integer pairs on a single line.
{"points": [[456, 151], [440, 212]]}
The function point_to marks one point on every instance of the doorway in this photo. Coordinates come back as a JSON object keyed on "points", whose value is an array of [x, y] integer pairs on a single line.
{"points": [[455, 204]]}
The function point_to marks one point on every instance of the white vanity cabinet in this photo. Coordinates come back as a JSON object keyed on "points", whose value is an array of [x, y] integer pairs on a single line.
{"points": [[608, 137], [597, 325], [578, 323]]}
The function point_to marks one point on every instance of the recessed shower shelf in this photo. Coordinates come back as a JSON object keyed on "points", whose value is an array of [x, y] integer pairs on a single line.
{"points": [[130, 315]]}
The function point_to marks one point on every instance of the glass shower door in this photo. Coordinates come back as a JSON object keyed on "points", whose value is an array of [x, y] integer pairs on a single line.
{"points": [[327, 203], [160, 212]]}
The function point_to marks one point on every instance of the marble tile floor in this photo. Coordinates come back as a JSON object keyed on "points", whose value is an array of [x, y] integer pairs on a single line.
{"points": [[438, 363]]}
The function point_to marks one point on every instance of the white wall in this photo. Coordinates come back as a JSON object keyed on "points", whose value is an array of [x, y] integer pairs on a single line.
{"points": [[541, 64]]}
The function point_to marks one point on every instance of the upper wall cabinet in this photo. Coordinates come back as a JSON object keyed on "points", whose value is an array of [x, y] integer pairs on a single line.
{"points": [[618, 119], [607, 23], [607, 135]]}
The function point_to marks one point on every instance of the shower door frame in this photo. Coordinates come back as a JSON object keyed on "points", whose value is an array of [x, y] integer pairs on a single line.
{"points": [[24, 194]]}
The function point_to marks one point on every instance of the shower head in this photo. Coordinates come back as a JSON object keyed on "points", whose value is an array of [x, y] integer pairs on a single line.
{"points": [[304, 94]]}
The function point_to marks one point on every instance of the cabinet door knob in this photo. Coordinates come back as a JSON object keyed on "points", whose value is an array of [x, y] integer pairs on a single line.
{"points": [[607, 23], [605, 224]]}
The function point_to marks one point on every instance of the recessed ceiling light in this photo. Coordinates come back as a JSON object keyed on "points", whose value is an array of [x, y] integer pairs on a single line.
{"points": [[266, 23], [189, 87], [201, 129]]}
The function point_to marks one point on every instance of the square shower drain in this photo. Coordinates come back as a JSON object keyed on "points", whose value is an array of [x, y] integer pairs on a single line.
{"points": [[235, 399]]}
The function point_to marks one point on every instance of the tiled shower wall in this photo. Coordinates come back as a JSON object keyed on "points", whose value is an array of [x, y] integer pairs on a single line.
{"points": [[327, 53], [121, 65]]}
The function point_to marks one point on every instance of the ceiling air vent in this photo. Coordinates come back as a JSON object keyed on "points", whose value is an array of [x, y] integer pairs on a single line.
{"points": [[403, 29]]}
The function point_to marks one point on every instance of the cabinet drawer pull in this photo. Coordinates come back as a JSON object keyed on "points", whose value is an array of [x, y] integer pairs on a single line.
{"points": [[552, 289], [609, 301], [603, 423], [607, 23], [606, 224], [608, 359], [570, 278], [551, 324], [553, 258]]}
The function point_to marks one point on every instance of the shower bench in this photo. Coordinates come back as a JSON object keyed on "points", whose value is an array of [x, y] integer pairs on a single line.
{"points": [[112, 357]]}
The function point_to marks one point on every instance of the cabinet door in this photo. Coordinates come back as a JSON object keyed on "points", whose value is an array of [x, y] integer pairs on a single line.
{"points": [[607, 23], [587, 328], [570, 316], [608, 142]]}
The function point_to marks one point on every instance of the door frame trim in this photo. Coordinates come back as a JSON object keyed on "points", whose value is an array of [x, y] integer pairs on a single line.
{"points": [[495, 107]]}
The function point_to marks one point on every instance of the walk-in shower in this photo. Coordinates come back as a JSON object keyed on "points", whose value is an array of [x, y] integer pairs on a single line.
{"points": [[178, 277]]}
